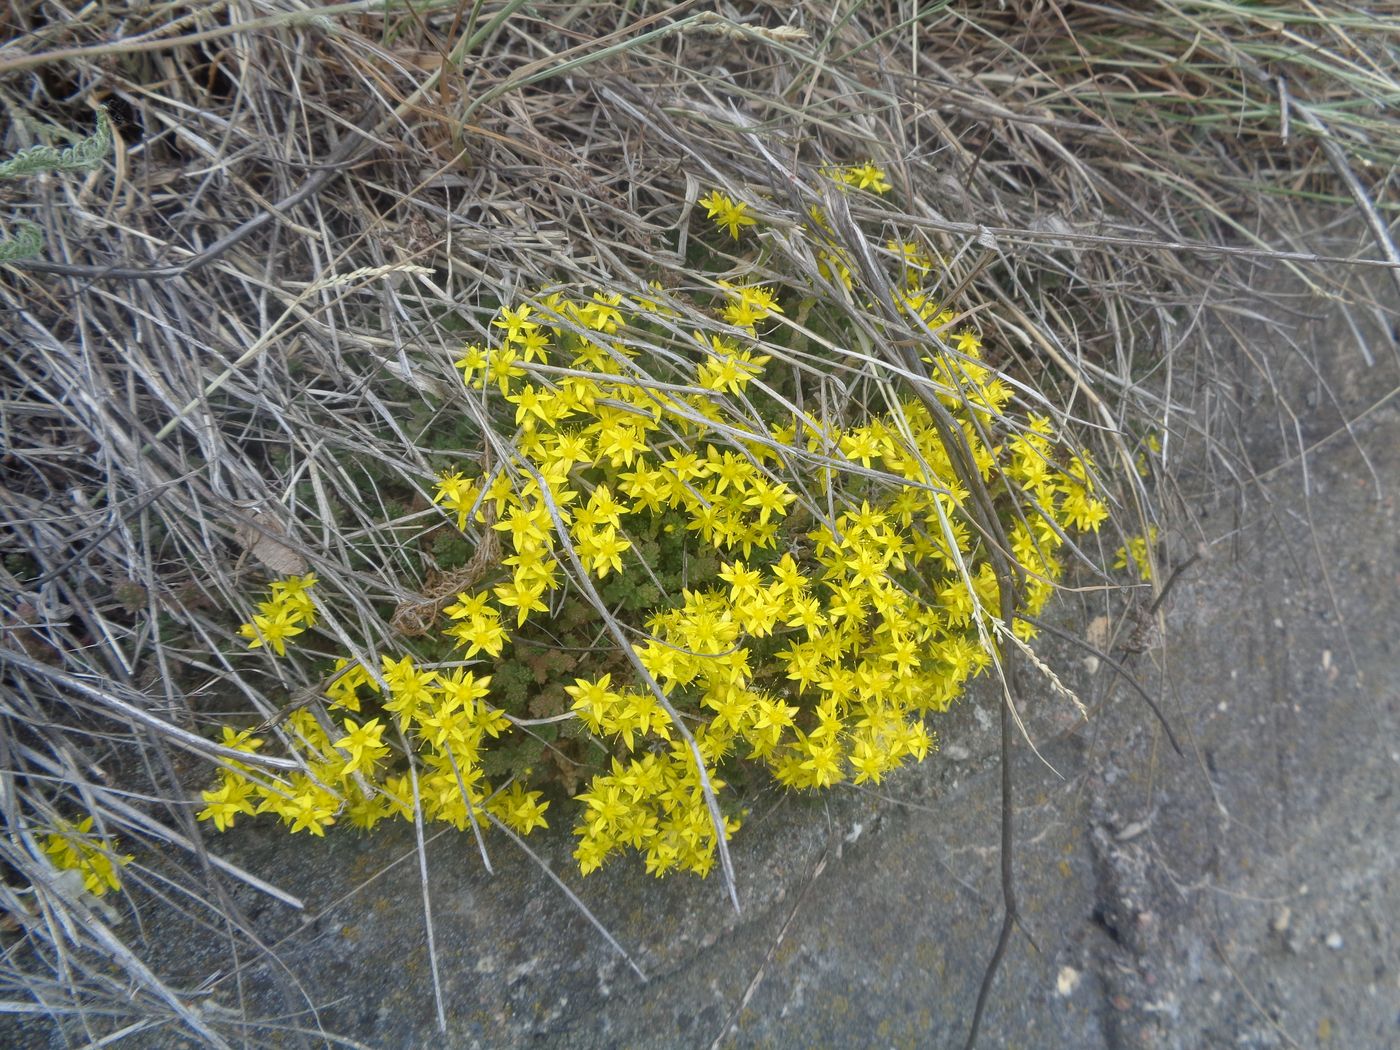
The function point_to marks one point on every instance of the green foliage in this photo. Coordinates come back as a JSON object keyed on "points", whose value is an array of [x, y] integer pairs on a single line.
{"points": [[26, 244], [84, 155]]}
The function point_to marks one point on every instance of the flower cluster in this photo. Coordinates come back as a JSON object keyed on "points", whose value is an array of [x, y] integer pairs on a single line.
{"points": [[865, 176], [346, 772], [1134, 554], [287, 612], [727, 213], [843, 606], [74, 847]]}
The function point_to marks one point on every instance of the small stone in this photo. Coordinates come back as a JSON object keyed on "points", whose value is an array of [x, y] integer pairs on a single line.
{"points": [[955, 753], [1132, 831], [1098, 632], [1334, 941], [1282, 919], [1067, 981]]}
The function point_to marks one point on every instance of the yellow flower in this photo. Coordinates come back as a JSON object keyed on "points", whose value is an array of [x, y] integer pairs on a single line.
{"points": [[520, 809], [472, 363], [769, 499], [743, 581], [602, 550], [593, 700], [480, 634], [227, 802], [728, 369], [293, 594], [1081, 511], [867, 176], [362, 743], [272, 628], [530, 407], [458, 495], [75, 848], [502, 365], [727, 214], [311, 809], [523, 596], [515, 322], [751, 305], [1135, 553], [410, 689]]}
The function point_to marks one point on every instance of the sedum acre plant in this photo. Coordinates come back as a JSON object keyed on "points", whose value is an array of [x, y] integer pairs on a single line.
{"points": [[76, 847], [802, 590]]}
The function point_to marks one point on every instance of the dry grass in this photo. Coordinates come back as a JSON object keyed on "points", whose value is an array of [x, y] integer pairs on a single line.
{"points": [[260, 293]]}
